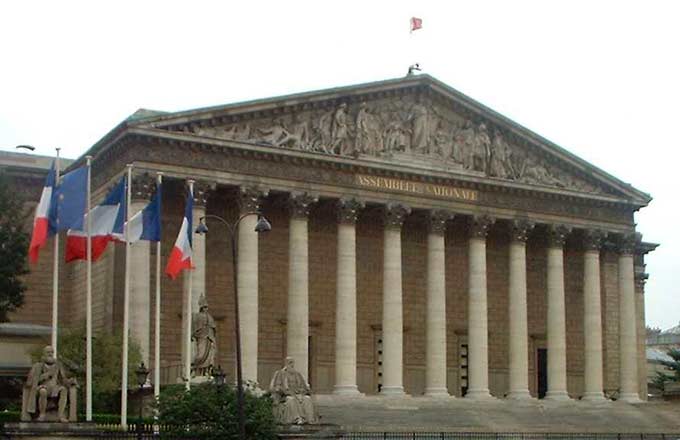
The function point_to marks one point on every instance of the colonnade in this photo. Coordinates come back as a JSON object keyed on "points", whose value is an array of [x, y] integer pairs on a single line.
{"points": [[393, 217]]}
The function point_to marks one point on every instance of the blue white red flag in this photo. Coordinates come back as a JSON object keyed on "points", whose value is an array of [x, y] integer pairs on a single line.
{"points": [[106, 220], [180, 257], [41, 229], [146, 224]]}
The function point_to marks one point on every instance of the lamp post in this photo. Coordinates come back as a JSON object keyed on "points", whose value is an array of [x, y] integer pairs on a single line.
{"points": [[262, 225], [142, 373]]}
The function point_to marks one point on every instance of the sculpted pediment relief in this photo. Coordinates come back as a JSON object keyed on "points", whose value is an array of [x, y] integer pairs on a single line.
{"points": [[406, 129]]}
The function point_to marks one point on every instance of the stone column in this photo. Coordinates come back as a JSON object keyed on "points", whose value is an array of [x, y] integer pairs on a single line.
{"points": [[297, 327], [392, 313], [143, 187], [517, 311], [557, 333], [435, 349], [478, 337], [627, 321], [201, 190], [592, 317], [248, 287], [346, 299]]}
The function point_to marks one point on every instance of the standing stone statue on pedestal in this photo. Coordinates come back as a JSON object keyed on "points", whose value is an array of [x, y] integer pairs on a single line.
{"points": [[291, 394], [204, 340], [48, 384]]}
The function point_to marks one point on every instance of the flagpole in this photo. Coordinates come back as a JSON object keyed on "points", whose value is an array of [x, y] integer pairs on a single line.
{"points": [[189, 299], [157, 318], [88, 298], [126, 303], [55, 269]]}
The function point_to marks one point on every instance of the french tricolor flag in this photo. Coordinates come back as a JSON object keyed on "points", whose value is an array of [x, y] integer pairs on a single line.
{"points": [[146, 224], [41, 230], [106, 220], [180, 257]]}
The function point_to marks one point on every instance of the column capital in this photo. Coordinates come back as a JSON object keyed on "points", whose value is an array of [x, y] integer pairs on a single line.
{"points": [[520, 229], [299, 204], [249, 198], [394, 215], [348, 210], [593, 239], [641, 278], [557, 235], [480, 224], [625, 245], [143, 186], [202, 190], [436, 221]]}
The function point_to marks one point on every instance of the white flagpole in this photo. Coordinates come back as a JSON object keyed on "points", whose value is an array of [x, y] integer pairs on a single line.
{"points": [[189, 299], [157, 318], [88, 299], [55, 269], [126, 303]]}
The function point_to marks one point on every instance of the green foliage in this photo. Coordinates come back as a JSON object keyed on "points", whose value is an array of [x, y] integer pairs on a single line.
{"points": [[662, 378], [209, 412], [106, 365], [9, 417], [13, 249]]}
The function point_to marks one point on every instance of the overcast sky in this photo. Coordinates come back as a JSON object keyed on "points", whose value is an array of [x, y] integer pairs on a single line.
{"points": [[600, 78]]}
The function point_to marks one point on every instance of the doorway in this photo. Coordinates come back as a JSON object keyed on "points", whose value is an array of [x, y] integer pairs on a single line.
{"points": [[542, 371]]}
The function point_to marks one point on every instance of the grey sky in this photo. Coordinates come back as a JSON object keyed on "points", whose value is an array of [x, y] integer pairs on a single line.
{"points": [[598, 78]]}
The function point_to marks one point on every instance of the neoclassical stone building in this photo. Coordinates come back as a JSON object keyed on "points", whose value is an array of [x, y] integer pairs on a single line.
{"points": [[421, 244]]}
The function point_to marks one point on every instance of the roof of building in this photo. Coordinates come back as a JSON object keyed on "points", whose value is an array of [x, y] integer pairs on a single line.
{"points": [[672, 331], [144, 118], [10, 159]]}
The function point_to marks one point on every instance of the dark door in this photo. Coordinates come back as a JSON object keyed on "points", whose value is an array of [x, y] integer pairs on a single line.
{"points": [[542, 371]]}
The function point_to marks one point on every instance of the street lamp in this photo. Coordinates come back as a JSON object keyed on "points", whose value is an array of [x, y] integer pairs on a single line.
{"points": [[262, 225], [142, 373]]}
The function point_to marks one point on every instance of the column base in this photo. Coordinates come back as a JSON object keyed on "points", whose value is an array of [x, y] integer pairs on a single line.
{"points": [[594, 396], [479, 395], [393, 391], [557, 395], [519, 395], [347, 390], [439, 392], [630, 398]]}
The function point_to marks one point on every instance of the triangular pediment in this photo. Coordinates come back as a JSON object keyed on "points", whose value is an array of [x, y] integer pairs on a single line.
{"points": [[413, 121]]}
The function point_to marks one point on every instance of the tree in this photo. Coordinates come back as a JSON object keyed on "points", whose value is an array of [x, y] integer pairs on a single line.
{"points": [[107, 348], [208, 411], [674, 365], [13, 249]]}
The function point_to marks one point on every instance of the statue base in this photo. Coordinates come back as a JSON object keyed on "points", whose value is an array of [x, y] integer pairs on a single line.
{"points": [[317, 430], [50, 430]]}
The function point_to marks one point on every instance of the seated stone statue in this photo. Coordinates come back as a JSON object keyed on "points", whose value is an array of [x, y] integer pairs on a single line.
{"points": [[47, 384], [291, 394]]}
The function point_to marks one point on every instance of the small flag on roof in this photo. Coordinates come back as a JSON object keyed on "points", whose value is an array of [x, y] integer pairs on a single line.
{"points": [[416, 23]]}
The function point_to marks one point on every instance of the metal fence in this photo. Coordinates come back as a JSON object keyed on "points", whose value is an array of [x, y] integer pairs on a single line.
{"points": [[151, 432], [501, 436]]}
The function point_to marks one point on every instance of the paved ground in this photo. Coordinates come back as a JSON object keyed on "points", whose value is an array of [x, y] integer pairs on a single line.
{"points": [[375, 413]]}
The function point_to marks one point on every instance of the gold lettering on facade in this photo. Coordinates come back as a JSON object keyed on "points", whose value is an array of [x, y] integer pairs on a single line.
{"points": [[408, 186]]}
